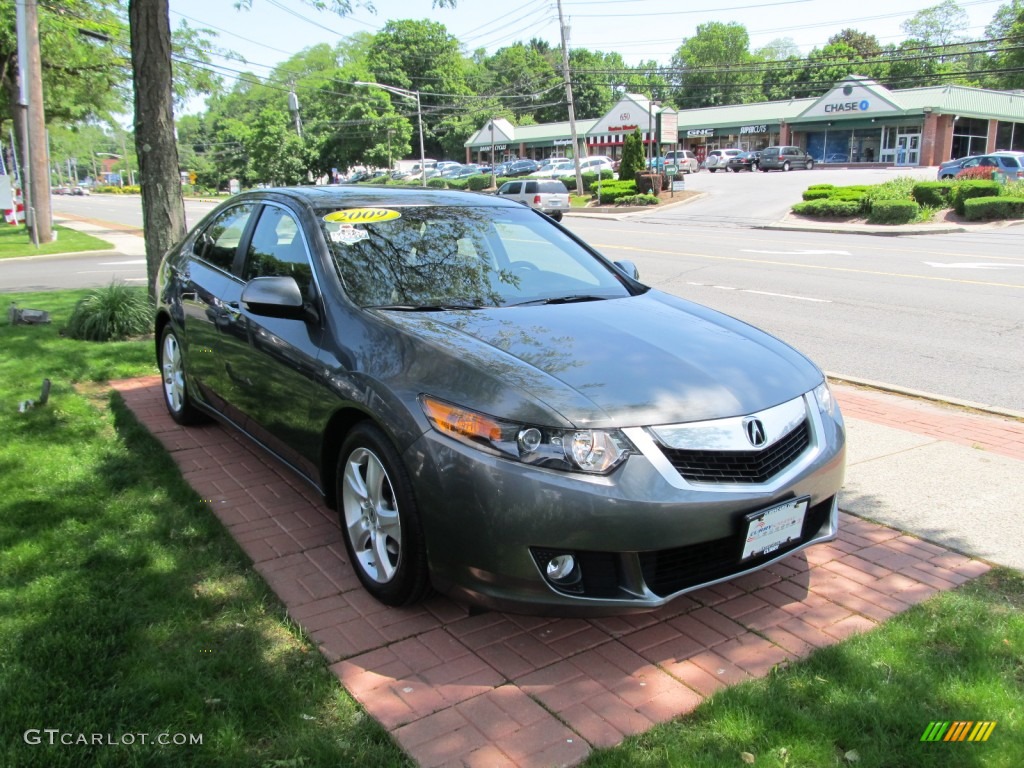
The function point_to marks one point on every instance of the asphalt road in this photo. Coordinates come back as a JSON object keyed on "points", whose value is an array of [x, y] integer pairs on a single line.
{"points": [[940, 313]]}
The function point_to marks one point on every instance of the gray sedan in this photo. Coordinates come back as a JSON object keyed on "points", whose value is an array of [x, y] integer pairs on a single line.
{"points": [[495, 410]]}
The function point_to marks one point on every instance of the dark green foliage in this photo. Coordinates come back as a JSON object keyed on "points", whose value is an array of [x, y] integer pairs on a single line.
{"points": [[829, 208], [112, 313], [638, 200], [479, 182], [632, 157], [987, 208], [972, 188], [613, 191], [893, 211], [437, 183], [461, 184], [933, 194], [590, 180], [650, 183]]}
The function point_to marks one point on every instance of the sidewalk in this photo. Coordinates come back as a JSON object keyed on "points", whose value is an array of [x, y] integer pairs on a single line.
{"points": [[501, 689]]}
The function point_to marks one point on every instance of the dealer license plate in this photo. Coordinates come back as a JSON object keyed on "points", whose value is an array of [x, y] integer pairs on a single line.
{"points": [[770, 528]]}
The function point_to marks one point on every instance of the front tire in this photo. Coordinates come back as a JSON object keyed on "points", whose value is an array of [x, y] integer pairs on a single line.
{"points": [[379, 518], [810, 165], [175, 386]]}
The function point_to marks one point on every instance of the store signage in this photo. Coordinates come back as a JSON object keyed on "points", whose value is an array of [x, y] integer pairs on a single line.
{"points": [[849, 106], [700, 132], [753, 129], [562, 142], [500, 146], [621, 128], [624, 116]]}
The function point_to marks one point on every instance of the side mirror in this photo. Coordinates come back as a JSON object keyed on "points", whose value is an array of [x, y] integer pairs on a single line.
{"points": [[629, 269], [274, 297]]}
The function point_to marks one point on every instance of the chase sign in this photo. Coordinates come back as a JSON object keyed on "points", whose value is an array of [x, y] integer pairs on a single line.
{"points": [[848, 106]]}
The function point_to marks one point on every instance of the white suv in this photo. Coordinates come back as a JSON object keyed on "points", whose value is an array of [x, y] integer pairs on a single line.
{"points": [[719, 158]]}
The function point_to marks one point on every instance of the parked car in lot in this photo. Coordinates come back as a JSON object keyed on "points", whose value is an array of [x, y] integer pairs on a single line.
{"points": [[494, 408], [519, 168], [568, 168], [547, 195], [784, 159], [744, 161], [718, 159], [1010, 163], [684, 159]]}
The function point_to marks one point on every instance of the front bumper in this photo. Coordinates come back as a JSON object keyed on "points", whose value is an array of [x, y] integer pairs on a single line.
{"points": [[640, 536]]}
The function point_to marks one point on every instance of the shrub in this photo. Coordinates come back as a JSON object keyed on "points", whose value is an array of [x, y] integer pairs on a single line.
{"points": [[437, 183], [893, 211], [632, 162], [984, 208], [817, 194], [479, 182], [828, 208], [650, 183], [968, 189], [590, 180], [613, 191], [933, 194], [977, 172], [638, 200], [822, 186], [461, 184], [111, 313]]}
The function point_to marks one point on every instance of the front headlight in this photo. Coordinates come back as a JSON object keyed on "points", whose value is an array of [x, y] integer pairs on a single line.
{"points": [[596, 451], [823, 396]]}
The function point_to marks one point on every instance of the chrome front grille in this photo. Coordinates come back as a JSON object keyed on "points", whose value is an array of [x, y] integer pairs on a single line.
{"points": [[712, 466]]}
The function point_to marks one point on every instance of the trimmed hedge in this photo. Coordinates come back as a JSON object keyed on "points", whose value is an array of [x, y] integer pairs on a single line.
{"points": [[638, 200], [893, 211], [971, 189], [985, 208], [478, 182], [828, 207], [822, 186], [590, 180], [650, 183], [934, 194], [437, 183], [817, 194], [613, 191]]}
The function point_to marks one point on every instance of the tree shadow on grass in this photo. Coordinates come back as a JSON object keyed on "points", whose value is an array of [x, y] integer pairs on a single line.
{"points": [[130, 610]]}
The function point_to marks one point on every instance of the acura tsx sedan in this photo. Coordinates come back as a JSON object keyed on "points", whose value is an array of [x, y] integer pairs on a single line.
{"points": [[496, 411]]}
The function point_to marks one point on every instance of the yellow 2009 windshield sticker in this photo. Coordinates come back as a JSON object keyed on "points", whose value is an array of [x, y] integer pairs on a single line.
{"points": [[362, 215]]}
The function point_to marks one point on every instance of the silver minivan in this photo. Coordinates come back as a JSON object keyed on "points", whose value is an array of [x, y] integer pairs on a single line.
{"points": [[547, 195]]}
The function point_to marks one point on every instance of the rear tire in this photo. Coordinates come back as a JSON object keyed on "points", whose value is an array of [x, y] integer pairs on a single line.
{"points": [[379, 518], [175, 385], [786, 166], [557, 215]]}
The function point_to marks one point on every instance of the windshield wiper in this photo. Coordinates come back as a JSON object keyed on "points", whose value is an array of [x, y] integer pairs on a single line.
{"points": [[559, 300], [425, 307]]}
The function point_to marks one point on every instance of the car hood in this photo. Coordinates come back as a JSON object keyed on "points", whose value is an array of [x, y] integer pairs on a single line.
{"points": [[641, 360]]}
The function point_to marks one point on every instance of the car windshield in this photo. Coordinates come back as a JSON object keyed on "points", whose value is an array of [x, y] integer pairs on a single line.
{"points": [[436, 258]]}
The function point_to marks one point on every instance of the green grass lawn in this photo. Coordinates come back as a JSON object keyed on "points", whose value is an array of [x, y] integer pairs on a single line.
{"points": [[15, 241], [125, 608]]}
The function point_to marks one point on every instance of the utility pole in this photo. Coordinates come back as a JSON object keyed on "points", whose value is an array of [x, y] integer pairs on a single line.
{"points": [[35, 162], [568, 97]]}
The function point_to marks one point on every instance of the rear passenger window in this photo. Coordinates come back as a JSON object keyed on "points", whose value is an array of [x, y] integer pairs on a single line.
{"points": [[218, 243]]}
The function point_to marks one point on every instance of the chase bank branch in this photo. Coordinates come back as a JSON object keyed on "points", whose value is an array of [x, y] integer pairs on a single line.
{"points": [[857, 122]]}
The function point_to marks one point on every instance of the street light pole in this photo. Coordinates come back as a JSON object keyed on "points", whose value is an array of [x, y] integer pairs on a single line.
{"points": [[419, 118]]}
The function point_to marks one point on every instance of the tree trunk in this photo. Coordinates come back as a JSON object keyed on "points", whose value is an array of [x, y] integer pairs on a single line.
{"points": [[163, 209]]}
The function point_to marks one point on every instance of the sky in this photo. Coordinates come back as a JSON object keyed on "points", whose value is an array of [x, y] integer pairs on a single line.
{"points": [[640, 30]]}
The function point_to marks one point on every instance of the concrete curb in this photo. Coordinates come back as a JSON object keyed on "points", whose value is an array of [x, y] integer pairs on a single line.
{"points": [[895, 389]]}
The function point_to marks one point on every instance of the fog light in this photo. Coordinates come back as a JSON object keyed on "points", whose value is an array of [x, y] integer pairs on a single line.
{"points": [[562, 569]]}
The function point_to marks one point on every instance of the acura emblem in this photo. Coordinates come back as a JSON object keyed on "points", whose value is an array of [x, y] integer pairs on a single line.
{"points": [[755, 432]]}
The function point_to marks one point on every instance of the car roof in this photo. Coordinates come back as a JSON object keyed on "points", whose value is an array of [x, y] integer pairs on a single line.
{"points": [[375, 197]]}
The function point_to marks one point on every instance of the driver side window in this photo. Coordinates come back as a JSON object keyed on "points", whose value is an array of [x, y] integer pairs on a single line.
{"points": [[278, 250]]}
